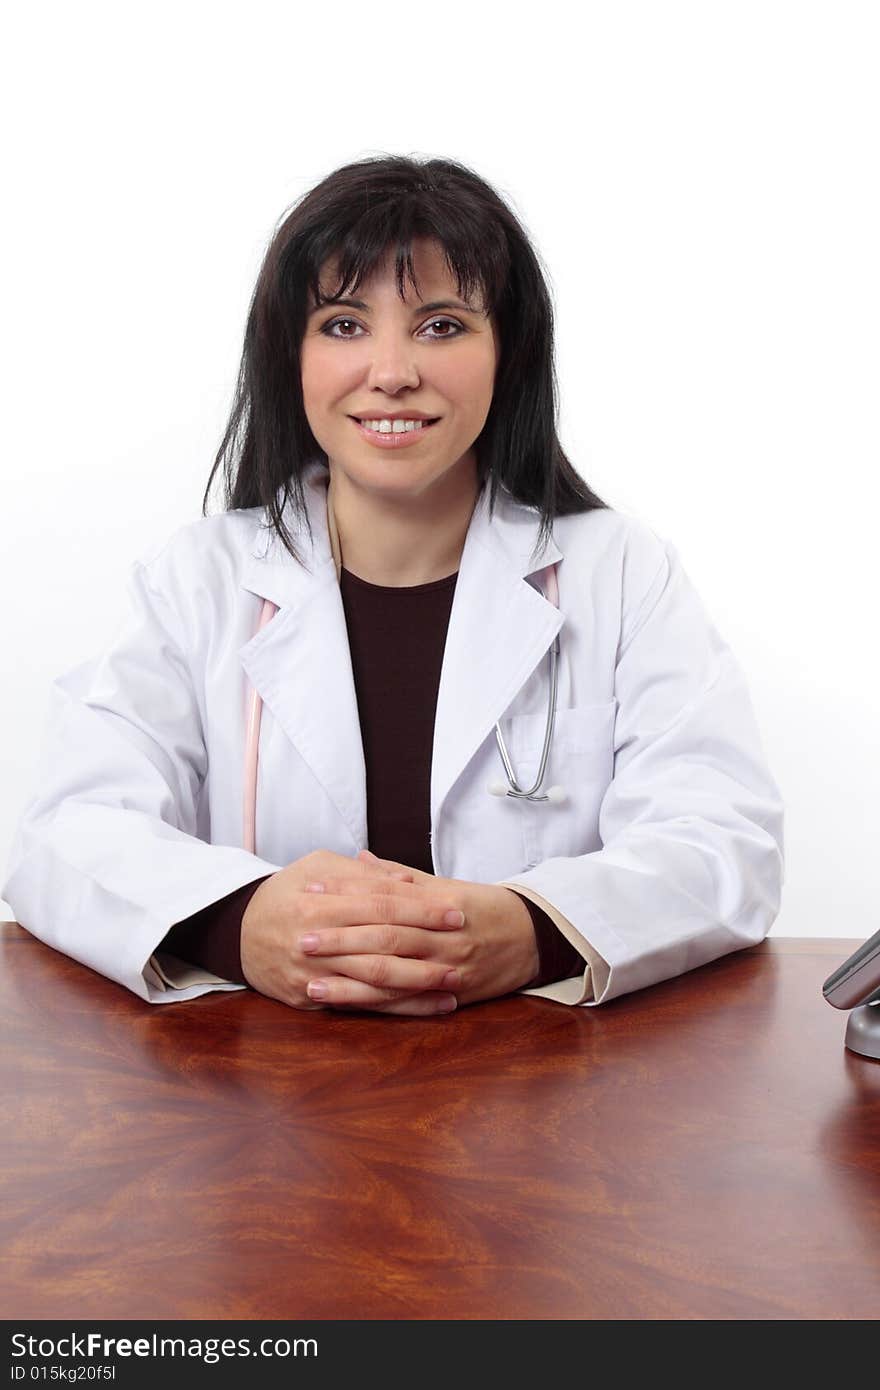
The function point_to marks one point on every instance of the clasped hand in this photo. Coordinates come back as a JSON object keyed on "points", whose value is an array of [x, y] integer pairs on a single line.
{"points": [[375, 935]]}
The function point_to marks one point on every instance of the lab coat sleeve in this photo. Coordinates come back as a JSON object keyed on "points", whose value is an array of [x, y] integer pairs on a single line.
{"points": [[574, 989], [691, 824], [107, 855]]}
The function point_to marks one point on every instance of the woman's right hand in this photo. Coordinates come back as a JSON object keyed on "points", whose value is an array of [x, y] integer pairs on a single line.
{"points": [[281, 910]]}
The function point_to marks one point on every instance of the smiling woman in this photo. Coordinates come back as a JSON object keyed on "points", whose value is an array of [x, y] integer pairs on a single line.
{"points": [[400, 526], [408, 288], [378, 585]]}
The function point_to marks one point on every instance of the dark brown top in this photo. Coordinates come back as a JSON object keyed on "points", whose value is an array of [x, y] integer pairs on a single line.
{"points": [[397, 638]]}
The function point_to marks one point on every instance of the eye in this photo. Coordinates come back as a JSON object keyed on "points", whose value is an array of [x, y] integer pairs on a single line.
{"points": [[449, 323]]}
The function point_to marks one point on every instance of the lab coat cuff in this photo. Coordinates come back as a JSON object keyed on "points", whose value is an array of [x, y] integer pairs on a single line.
{"points": [[172, 973], [579, 989], [167, 979]]}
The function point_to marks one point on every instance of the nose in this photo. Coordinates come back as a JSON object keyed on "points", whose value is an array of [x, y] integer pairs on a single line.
{"points": [[392, 363]]}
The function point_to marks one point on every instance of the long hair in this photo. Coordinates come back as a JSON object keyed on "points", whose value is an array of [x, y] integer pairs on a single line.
{"points": [[357, 214]]}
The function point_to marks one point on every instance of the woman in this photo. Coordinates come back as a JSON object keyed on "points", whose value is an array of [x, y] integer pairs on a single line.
{"points": [[409, 569]]}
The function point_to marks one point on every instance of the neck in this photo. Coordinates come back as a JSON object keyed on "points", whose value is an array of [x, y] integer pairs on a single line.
{"points": [[401, 541]]}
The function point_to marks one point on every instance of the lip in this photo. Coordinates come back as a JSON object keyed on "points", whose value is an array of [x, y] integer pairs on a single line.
{"points": [[390, 440]]}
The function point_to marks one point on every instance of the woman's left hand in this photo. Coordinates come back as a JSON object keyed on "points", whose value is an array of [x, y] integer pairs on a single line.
{"points": [[495, 952]]}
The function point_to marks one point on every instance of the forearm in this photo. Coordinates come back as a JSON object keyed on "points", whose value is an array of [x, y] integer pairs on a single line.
{"points": [[211, 938], [519, 959], [558, 959]]}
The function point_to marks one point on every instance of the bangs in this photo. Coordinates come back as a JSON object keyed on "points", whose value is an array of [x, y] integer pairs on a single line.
{"points": [[475, 254]]}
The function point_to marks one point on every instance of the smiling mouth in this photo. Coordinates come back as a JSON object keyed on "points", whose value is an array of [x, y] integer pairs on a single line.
{"points": [[387, 427]]}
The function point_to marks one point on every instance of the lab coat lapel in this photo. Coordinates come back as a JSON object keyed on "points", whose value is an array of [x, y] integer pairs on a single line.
{"points": [[500, 628], [300, 662]]}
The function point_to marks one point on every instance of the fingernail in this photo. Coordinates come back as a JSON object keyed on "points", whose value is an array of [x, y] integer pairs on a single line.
{"points": [[447, 1005], [454, 919], [316, 989], [307, 943], [450, 979], [314, 887]]}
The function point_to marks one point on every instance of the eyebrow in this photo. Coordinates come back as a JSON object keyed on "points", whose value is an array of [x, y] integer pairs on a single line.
{"points": [[428, 308]]}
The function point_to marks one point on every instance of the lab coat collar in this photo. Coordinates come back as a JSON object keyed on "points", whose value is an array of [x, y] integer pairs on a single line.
{"points": [[500, 628], [272, 572]]}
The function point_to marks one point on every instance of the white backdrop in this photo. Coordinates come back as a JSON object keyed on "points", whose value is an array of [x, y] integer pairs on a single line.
{"points": [[700, 181]]}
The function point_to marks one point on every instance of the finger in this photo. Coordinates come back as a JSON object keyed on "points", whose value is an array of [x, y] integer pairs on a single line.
{"points": [[336, 990], [384, 939], [365, 907], [386, 973], [417, 876], [370, 862], [339, 883], [425, 1005], [358, 996]]}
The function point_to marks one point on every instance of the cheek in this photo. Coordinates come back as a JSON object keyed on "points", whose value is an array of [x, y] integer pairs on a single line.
{"points": [[322, 374], [468, 381], [313, 370]]}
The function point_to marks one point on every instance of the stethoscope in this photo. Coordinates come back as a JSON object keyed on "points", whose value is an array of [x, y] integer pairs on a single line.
{"points": [[554, 795]]}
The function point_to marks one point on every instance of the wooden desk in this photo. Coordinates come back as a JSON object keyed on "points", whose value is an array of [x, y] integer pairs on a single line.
{"points": [[705, 1148]]}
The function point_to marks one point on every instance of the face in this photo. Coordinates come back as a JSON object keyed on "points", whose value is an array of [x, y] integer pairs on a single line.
{"points": [[390, 355]]}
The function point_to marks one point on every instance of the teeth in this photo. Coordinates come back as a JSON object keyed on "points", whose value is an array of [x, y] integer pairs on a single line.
{"points": [[392, 426]]}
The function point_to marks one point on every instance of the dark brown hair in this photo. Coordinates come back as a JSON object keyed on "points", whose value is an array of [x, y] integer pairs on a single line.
{"points": [[356, 215]]}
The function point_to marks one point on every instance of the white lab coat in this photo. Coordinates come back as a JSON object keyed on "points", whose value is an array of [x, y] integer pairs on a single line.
{"points": [[667, 853]]}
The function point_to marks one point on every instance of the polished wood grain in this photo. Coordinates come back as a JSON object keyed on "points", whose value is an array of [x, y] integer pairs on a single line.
{"points": [[702, 1149]]}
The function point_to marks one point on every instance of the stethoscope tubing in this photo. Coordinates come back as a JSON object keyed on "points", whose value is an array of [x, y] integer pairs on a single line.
{"points": [[252, 744], [551, 592]]}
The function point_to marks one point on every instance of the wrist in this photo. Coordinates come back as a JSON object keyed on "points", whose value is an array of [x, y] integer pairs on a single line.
{"points": [[528, 955]]}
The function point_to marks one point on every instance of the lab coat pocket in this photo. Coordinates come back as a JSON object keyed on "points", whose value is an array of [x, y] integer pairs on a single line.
{"points": [[581, 761]]}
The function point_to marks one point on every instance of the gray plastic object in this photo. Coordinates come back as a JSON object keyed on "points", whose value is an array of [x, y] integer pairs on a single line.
{"points": [[863, 1030]]}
